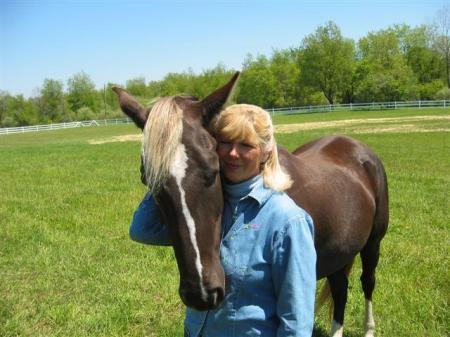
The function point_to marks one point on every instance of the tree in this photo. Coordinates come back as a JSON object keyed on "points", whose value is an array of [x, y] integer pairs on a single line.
{"points": [[426, 64], [285, 69], [177, 83], [110, 97], [52, 100], [4, 96], [154, 89], [258, 85], [327, 63], [81, 92], [136, 86], [382, 73], [17, 111], [414, 44], [441, 38], [209, 80]]}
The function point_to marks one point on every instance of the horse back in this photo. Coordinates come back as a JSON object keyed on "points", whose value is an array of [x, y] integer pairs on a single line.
{"points": [[341, 183]]}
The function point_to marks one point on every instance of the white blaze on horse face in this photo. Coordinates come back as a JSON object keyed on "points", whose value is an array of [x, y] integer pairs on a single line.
{"points": [[337, 330], [178, 171], [369, 321]]}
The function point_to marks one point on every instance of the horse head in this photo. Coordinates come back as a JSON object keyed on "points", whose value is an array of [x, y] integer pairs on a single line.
{"points": [[180, 165]]}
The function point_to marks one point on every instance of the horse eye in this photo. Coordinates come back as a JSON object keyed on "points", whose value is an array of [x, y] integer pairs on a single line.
{"points": [[210, 177]]}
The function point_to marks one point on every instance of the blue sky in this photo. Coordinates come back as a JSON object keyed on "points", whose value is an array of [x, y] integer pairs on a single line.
{"points": [[116, 40]]}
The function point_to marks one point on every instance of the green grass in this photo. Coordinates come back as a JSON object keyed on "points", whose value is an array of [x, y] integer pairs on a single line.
{"points": [[68, 268]]}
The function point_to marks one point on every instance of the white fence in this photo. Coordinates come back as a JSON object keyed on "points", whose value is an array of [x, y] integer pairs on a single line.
{"points": [[278, 111], [67, 125], [361, 106]]}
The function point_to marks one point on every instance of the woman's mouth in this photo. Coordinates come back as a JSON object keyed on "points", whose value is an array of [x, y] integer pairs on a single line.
{"points": [[232, 167]]}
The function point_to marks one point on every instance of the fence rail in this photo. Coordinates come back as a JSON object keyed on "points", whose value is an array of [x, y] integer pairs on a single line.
{"points": [[361, 106], [66, 125], [277, 111]]}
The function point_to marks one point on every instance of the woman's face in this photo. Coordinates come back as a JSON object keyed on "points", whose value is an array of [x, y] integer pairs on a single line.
{"points": [[239, 161]]}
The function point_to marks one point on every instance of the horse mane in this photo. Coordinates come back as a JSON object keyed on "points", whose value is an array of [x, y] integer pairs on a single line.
{"points": [[161, 137]]}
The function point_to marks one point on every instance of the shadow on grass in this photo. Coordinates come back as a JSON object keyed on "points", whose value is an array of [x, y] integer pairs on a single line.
{"points": [[321, 332]]}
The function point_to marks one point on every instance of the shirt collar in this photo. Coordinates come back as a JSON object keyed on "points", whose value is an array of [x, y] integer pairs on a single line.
{"points": [[259, 192], [253, 188]]}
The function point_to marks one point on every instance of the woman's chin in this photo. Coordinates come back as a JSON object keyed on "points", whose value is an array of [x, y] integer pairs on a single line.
{"points": [[233, 177]]}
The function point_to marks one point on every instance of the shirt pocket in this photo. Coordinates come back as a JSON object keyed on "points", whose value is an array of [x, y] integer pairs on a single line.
{"points": [[237, 250]]}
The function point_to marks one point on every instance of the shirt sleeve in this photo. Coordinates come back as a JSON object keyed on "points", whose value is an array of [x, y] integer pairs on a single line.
{"points": [[294, 277], [146, 226]]}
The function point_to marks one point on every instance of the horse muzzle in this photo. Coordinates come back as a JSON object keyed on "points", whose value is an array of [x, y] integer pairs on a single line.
{"points": [[204, 299]]}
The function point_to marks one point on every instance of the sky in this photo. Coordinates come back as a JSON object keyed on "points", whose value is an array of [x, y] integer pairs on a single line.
{"points": [[118, 40]]}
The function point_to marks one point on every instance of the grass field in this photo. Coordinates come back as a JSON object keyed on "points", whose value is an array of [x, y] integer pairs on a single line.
{"points": [[68, 268]]}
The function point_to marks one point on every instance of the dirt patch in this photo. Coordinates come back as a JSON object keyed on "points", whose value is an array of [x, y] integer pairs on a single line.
{"points": [[401, 129], [124, 138], [290, 128]]}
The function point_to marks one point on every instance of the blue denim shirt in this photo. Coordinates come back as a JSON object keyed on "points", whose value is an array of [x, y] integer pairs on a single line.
{"points": [[269, 260]]}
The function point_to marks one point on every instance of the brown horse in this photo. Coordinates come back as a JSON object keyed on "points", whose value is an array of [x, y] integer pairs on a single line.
{"points": [[338, 180]]}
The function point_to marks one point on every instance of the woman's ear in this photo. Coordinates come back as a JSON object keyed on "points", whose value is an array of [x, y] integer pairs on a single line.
{"points": [[264, 157]]}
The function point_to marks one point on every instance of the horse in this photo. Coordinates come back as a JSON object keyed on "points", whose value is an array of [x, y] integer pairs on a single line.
{"points": [[339, 181]]}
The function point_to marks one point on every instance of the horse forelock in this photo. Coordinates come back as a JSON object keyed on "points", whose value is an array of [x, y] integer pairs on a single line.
{"points": [[161, 138]]}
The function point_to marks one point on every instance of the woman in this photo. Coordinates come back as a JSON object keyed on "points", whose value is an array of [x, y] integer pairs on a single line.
{"points": [[267, 248]]}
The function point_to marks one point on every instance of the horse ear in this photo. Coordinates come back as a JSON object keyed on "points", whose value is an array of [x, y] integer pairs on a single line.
{"points": [[131, 107], [214, 102]]}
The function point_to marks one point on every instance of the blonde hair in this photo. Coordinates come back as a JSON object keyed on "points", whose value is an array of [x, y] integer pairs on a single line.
{"points": [[161, 137], [253, 125]]}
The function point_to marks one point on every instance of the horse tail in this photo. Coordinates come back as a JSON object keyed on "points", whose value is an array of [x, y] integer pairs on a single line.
{"points": [[324, 298], [378, 179]]}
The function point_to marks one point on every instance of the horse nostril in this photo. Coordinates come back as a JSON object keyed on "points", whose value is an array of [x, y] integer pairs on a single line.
{"points": [[216, 296], [220, 295]]}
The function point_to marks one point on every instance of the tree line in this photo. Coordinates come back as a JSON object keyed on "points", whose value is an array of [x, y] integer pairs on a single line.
{"points": [[394, 64]]}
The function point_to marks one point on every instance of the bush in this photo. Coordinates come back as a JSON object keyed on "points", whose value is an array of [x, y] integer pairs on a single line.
{"points": [[8, 121], [68, 116], [444, 93], [430, 89], [85, 113]]}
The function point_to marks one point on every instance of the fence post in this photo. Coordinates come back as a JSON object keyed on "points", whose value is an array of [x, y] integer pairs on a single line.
{"points": [[420, 104]]}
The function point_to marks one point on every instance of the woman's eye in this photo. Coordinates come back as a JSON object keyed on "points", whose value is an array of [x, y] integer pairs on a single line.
{"points": [[247, 146]]}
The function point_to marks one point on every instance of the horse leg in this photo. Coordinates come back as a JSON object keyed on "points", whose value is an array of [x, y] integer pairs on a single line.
{"points": [[338, 286], [369, 258]]}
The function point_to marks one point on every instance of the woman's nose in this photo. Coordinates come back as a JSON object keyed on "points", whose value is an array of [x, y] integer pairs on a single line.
{"points": [[234, 151]]}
